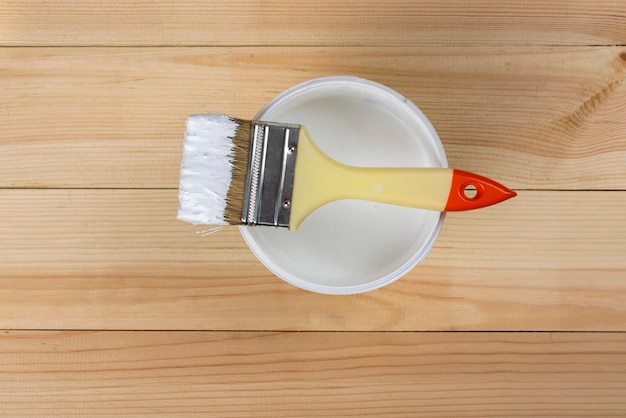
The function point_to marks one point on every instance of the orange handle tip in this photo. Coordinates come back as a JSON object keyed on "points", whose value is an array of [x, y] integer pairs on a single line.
{"points": [[472, 191]]}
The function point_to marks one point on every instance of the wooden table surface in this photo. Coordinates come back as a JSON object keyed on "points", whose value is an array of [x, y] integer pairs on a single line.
{"points": [[110, 306]]}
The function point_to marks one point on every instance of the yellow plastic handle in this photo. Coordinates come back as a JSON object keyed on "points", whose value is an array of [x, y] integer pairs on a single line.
{"points": [[319, 179]]}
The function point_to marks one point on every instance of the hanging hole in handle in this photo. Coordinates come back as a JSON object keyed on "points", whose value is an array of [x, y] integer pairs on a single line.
{"points": [[470, 191]]}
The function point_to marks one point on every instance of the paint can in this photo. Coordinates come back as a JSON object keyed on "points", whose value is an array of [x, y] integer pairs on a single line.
{"points": [[350, 246]]}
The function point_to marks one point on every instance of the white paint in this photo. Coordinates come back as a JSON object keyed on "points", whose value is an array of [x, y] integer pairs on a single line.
{"points": [[206, 169], [351, 246]]}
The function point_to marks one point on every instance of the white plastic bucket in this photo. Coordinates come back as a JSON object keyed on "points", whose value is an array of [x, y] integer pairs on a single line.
{"points": [[350, 246]]}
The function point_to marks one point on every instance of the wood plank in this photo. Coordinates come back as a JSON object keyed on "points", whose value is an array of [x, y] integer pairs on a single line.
{"points": [[118, 259], [533, 118], [324, 22], [312, 374]]}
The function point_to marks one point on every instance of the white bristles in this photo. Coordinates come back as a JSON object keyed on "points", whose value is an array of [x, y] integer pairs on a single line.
{"points": [[206, 169]]}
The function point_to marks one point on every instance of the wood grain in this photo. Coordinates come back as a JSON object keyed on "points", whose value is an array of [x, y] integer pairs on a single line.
{"points": [[323, 22], [111, 307], [118, 259], [312, 374], [533, 118]]}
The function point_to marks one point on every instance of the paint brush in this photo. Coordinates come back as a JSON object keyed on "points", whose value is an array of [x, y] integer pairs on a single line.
{"points": [[242, 172]]}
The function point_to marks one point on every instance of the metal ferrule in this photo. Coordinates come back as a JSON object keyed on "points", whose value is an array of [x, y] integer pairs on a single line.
{"points": [[269, 181]]}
